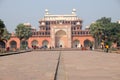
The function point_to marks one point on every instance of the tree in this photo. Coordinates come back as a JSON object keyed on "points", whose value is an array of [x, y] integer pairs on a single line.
{"points": [[114, 33], [2, 26], [105, 30], [6, 35], [23, 32], [96, 30]]}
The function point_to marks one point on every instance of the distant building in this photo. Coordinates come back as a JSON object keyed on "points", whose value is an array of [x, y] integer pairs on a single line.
{"points": [[57, 31], [118, 21]]}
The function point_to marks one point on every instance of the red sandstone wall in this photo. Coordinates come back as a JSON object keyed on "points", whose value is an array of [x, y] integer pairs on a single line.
{"points": [[13, 39], [82, 39], [39, 39]]}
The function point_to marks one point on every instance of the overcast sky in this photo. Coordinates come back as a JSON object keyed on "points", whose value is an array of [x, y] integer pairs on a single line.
{"points": [[13, 12]]}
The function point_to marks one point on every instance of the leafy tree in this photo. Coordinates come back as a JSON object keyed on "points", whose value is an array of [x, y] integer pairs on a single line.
{"points": [[104, 20], [6, 35], [114, 33], [2, 26], [105, 30], [96, 29], [23, 32]]}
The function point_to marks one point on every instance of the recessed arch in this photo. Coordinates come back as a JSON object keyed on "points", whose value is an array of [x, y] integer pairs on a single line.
{"points": [[13, 44], [76, 44], [24, 42], [60, 33], [60, 39], [34, 43], [45, 43], [87, 43]]}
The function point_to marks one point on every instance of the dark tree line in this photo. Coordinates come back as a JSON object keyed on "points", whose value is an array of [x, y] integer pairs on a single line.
{"points": [[4, 34]]}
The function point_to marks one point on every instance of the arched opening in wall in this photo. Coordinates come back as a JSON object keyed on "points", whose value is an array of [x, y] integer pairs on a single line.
{"points": [[61, 39], [45, 43], [34, 43], [13, 44], [24, 44], [2, 44], [76, 44], [87, 43]]}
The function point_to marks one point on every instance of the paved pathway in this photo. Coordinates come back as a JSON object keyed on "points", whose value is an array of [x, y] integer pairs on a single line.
{"points": [[90, 65], [74, 65], [29, 66]]}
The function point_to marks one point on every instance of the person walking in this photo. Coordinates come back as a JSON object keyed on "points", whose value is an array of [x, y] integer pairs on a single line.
{"points": [[107, 48]]}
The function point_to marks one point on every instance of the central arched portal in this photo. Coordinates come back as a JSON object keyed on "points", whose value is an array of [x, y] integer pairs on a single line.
{"points": [[61, 39]]}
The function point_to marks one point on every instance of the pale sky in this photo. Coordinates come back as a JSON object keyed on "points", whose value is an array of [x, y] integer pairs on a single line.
{"points": [[13, 12]]}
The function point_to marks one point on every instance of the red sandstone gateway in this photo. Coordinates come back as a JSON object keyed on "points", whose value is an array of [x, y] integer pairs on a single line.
{"points": [[57, 31]]}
